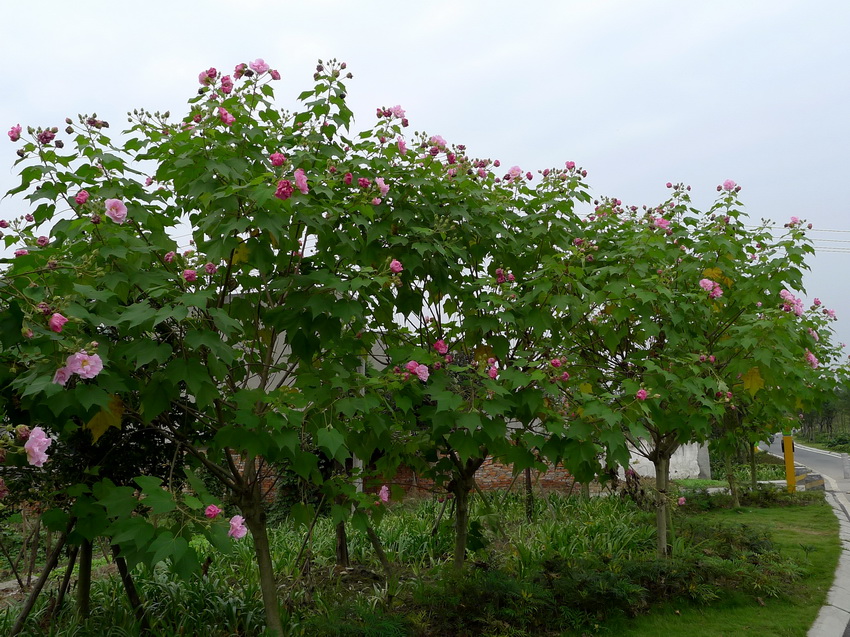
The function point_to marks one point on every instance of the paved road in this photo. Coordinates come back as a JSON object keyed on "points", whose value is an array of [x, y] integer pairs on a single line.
{"points": [[834, 618]]}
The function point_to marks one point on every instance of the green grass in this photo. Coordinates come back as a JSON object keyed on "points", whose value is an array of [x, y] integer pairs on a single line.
{"points": [[584, 565], [809, 534]]}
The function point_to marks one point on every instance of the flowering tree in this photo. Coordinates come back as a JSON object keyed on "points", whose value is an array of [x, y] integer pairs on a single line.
{"points": [[691, 308]]}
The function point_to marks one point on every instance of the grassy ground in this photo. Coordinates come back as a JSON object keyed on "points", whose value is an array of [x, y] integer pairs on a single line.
{"points": [[588, 565], [810, 534]]}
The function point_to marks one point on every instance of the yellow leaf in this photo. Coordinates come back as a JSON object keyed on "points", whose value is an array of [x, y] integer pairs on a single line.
{"points": [[482, 354], [240, 254], [716, 275], [753, 381], [106, 418], [586, 388]]}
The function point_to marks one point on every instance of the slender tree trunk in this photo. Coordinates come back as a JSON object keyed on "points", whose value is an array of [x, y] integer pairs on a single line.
{"points": [[130, 590], [461, 486], [84, 579], [66, 580], [662, 474], [34, 550], [342, 558], [52, 560], [529, 496], [379, 550], [11, 564], [255, 519], [753, 478], [733, 484], [585, 491]]}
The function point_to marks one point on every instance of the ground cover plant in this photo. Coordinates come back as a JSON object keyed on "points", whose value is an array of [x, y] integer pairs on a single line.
{"points": [[583, 566]]}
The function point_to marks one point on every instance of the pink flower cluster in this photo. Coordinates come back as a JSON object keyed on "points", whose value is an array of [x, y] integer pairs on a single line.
{"points": [[384, 494], [493, 369], [420, 371], [441, 347], [212, 511], [225, 117], [36, 446], [641, 394], [238, 530], [661, 223], [501, 276], [57, 322], [791, 303], [115, 210], [14, 133], [396, 266], [83, 364], [812, 360], [712, 287]]}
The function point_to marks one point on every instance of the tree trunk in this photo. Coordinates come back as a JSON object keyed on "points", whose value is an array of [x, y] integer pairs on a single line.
{"points": [[255, 519], [84, 579], [52, 560], [461, 486], [585, 491], [342, 559], [733, 485], [529, 496], [379, 550], [662, 474], [66, 581], [753, 478], [130, 590]]}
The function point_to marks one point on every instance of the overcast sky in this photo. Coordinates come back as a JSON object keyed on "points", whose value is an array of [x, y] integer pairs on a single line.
{"points": [[637, 92]]}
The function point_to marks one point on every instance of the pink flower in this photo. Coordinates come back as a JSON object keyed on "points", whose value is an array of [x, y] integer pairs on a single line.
{"points": [[437, 140], [422, 372], [82, 197], [169, 256], [275, 74], [570, 165], [379, 182], [277, 159], [411, 366], [116, 210], [61, 376], [4, 223], [284, 190], [207, 77], [226, 85], [210, 268], [817, 302], [384, 494], [682, 501], [347, 179], [829, 313], [21, 252], [402, 146], [14, 133], [397, 111], [706, 284], [794, 221], [212, 511], [555, 362], [395, 266], [225, 117], [716, 292], [238, 530], [84, 364], [641, 394], [56, 322], [711, 358], [36, 445], [376, 201], [812, 360], [493, 372], [441, 347], [239, 71], [565, 376], [729, 185], [301, 181], [662, 223], [42, 241], [190, 275], [258, 66], [363, 182]]}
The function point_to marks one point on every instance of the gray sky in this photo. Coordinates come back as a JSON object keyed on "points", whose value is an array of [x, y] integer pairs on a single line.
{"points": [[638, 92]]}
